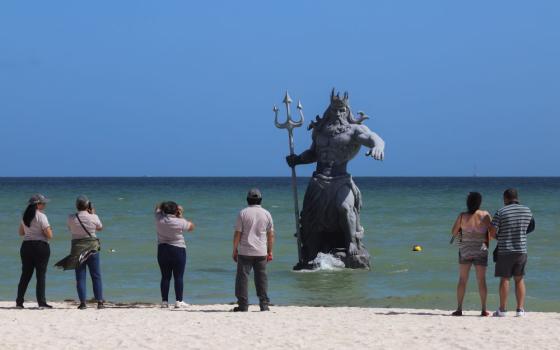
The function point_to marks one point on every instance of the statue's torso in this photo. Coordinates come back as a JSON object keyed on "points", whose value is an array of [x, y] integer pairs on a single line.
{"points": [[335, 147]]}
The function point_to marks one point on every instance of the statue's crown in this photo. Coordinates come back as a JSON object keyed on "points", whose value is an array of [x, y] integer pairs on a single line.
{"points": [[336, 101]]}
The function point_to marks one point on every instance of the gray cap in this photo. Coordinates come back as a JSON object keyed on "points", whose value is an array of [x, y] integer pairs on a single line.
{"points": [[38, 199], [82, 201], [254, 193]]}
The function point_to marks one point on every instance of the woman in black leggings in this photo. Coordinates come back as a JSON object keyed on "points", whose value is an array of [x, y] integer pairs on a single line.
{"points": [[35, 250], [172, 252]]}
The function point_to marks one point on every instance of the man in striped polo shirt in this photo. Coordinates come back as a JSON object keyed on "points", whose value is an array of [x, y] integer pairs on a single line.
{"points": [[510, 227]]}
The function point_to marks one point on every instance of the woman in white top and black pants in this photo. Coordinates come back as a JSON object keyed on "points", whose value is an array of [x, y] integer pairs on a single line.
{"points": [[35, 250]]}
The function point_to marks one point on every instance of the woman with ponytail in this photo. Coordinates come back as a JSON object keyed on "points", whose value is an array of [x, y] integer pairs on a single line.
{"points": [[472, 228], [35, 250]]}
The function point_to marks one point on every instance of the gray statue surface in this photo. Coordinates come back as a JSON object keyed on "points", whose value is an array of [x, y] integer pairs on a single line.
{"points": [[330, 217]]}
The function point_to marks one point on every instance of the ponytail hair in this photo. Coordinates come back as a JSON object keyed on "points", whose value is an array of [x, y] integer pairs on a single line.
{"points": [[29, 214], [474, 200]]}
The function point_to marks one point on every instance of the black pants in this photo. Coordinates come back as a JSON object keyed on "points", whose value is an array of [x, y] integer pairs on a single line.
{"points": [[244, 266], [34, 256], [172, 261]]}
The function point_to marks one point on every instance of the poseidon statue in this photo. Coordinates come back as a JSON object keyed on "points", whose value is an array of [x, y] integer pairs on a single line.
{"points": [[330, 218]]}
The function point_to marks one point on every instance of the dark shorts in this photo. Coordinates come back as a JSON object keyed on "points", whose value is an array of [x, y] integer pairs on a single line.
{"points": [[509, 265], [480, 260]]}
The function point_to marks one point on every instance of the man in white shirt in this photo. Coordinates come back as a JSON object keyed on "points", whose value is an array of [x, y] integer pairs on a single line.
{"points": [[252, 249]]}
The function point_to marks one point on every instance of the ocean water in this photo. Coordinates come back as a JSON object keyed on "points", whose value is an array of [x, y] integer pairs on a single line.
{"points": [[397, 214]]}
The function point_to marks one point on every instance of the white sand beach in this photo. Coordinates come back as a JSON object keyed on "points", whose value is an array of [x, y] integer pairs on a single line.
{"points": [[285, 327]]}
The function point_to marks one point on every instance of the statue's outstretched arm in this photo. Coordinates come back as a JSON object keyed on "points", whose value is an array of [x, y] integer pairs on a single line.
{"points": [[365, 137], [306, 157]]}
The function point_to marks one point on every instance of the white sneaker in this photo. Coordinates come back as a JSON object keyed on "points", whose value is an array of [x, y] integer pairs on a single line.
{"points": [[520, 313], [164, 304], [499, 313], [181, 305]]}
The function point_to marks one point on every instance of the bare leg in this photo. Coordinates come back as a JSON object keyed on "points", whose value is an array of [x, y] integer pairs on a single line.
{"points": [[345, 204], [462, 284], [519, 291], [504, 290], [482, 290]]}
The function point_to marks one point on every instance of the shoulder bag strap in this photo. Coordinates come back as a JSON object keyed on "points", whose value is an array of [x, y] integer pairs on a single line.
{"points": [[81, 223]]}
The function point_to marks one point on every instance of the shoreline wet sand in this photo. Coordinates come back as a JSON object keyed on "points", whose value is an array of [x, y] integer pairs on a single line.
{"points": [[147, 326]]}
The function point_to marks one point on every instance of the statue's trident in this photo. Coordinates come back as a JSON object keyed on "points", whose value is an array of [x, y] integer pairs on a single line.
{"points": [[290, 125]]}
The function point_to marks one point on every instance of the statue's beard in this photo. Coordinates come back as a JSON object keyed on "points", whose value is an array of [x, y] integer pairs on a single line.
{"points": [[338, 125], [343, 119]]}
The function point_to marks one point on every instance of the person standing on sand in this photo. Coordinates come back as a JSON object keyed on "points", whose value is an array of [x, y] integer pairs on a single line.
{"points": [[83, 225], [172, 250], [253, 241], [510, 227], [35, 250], [472, 226]]}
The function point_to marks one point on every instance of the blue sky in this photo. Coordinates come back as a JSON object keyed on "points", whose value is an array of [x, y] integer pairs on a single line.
{"points": [[180, 88]]}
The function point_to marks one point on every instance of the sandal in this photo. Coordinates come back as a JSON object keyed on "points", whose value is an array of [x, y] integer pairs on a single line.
{"points": [[457, 313], [484, 313]]}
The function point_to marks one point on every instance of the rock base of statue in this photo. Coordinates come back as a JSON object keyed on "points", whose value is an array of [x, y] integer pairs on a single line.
{"points": [[359, 261]]}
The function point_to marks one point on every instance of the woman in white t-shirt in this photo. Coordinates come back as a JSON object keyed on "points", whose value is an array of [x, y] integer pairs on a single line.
{"points": [[83, 226], [172, 252], [35, 251]]}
